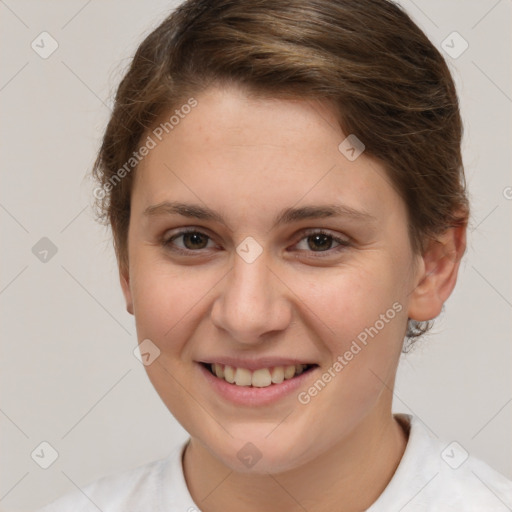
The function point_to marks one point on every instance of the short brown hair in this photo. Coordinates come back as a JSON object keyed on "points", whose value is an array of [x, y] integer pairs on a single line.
{"points": [[384, 79]]}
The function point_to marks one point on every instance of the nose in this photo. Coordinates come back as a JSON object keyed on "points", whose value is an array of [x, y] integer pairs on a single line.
{"points": [[252, 302]]}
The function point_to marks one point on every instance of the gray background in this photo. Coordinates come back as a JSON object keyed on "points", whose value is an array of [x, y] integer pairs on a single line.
{"points": [[68, 373]]}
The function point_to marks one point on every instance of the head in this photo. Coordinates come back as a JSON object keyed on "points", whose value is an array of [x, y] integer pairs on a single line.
{"points": [[312, 150]]}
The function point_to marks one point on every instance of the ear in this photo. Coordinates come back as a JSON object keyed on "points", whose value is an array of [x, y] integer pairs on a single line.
{"points": [[124, 278], [438, 271]]}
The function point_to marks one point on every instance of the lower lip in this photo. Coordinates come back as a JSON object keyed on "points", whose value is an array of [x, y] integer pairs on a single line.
{"points": [[252, 396]]}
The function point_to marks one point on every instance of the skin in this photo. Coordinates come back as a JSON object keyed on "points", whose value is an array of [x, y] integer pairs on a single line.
{"points": [[247, 159]]}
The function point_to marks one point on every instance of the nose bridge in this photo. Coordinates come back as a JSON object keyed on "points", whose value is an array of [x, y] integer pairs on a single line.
{"points": [[250, 303]]}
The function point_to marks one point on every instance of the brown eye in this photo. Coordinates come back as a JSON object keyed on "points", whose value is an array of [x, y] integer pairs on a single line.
{"points": [[319, 242], [187, 241], [195, 240]]}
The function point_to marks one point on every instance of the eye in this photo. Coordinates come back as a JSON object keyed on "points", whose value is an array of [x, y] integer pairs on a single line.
{"points": [[191, 241], [194, 241], [321, 241]]}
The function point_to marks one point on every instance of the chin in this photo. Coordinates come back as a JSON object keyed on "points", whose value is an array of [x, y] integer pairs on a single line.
{"points": [[256, 452]]}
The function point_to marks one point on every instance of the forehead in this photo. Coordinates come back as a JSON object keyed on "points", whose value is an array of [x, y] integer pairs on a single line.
{"points": [[237, 152]]}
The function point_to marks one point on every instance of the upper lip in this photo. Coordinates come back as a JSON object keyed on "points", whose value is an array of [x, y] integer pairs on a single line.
{"points": [[255, 364]]}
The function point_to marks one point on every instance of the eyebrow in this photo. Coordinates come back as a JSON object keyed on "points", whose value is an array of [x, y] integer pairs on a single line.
{"points": [[286, 216]]}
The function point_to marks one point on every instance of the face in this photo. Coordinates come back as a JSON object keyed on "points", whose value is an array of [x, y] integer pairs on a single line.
{"points": [[256, 244]]}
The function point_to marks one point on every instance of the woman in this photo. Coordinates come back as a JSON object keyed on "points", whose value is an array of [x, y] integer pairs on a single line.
{"points": [[285, 188]]}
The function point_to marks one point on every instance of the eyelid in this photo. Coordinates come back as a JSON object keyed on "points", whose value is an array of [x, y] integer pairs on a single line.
{"points": [[170, 233], [315, 231]]}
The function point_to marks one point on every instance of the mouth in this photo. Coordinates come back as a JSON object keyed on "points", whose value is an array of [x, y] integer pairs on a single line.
{"points": [[260, 378]]}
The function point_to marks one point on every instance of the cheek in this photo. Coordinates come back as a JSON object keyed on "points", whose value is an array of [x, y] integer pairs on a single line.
{"points": [[352, 299], [163, 297], [359, 316]]}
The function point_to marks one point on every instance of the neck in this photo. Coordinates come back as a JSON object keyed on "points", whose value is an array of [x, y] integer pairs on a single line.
{"points": [[348, 477]]}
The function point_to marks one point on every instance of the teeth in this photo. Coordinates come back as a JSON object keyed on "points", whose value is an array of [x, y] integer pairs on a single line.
{"points": [[242, 377], [289, 371], [261, 378], [299, 369], [277, 375], [229, 374], [218, 370]]}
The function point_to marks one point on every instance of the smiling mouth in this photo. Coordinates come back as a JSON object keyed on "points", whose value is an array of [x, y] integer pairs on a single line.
{"points": [[261, 378]]}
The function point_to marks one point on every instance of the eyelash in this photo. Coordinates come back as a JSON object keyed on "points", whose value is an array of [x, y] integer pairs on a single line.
{"points": [[343, 243]]}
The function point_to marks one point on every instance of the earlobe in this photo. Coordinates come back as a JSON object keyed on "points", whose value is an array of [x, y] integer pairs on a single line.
{"points": [[124, 278], [438, 274]]}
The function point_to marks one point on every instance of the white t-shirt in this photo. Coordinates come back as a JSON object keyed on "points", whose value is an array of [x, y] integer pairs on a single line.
{"points": [[432, 476]]}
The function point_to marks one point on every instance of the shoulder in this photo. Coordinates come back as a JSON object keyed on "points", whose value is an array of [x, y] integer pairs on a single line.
{"points": [[473, 485], [435, 475], [139, 488]]}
